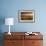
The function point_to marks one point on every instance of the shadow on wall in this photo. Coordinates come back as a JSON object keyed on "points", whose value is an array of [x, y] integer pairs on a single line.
{"points": [[2, 21]]}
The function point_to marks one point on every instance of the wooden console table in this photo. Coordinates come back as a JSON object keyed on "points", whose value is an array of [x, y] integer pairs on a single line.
{"points": [[20, 39]]}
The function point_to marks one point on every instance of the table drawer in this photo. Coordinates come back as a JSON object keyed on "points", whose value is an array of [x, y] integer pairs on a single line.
{"points": [[13, 43], [16, 37], [33, 43], [34, 37], [9, 42]]}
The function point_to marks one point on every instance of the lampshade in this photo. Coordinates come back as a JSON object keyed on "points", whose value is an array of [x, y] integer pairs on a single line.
{"points": [[9, 21]]}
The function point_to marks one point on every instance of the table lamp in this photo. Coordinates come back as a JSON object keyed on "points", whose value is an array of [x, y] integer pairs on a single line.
{"points": [[9, 21]]}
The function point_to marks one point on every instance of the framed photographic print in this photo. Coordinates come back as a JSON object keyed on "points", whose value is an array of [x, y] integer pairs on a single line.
{"points": [[26, 16]]}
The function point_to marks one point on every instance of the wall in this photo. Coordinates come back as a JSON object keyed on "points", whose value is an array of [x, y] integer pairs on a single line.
{"points": [[9, 8]]}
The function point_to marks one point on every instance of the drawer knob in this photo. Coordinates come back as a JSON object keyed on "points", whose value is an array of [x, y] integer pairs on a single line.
{"points": [[33, 42]]}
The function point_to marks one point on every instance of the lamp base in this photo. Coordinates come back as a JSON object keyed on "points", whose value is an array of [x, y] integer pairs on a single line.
{"points": [[9, 33]]}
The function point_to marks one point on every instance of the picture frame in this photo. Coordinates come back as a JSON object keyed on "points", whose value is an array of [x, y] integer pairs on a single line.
{"points": [[26, 16]]}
